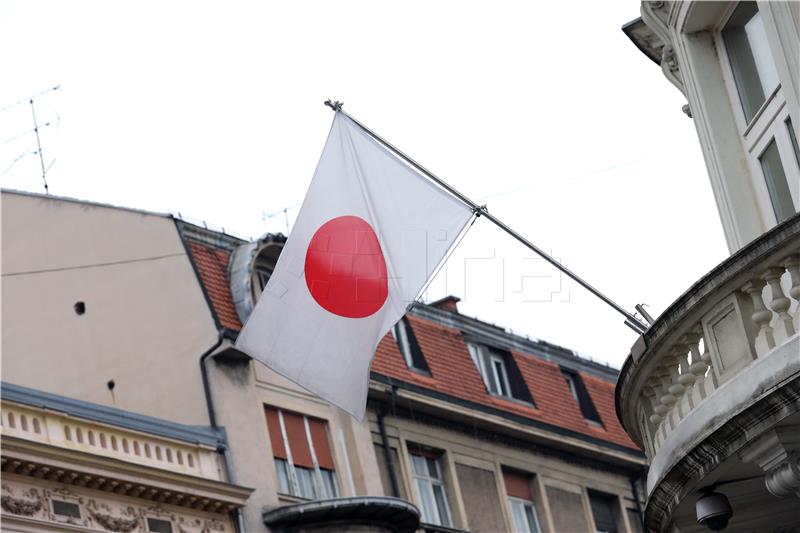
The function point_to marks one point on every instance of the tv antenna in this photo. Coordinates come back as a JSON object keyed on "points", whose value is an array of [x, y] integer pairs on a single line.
{"points": [[285, 211], [30, 101]]}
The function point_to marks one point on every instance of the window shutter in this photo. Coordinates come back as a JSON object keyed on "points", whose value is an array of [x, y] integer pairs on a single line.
{"points": [[416, 352], [319, 437], [584, 400], [518, 485], [298, 442], [275, 437], [519, 389]]}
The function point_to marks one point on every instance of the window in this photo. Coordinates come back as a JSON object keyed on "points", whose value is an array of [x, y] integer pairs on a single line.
{"points": [[750, 57], [604, 512], [581, 395], [66, 509], [779, 194], [302, 453], [754, 86], [157, 525], [409, 347], [499, 372], [793, 139], [429, 482], [521, 501]]}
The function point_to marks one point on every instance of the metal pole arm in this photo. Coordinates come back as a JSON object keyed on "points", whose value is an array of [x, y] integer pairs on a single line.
{"points": [[630, 320]]}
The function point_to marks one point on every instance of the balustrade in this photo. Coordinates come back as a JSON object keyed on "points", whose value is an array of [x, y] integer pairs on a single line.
{"points": [[748, 321]]}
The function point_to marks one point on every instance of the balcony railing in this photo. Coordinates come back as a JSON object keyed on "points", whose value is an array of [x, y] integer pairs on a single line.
{"points": [[732, 317]]}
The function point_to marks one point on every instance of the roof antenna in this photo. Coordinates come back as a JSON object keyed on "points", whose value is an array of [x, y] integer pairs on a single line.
{"points": [[38, 140]]}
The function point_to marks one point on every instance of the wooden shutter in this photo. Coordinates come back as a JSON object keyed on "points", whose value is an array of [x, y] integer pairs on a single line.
{"points": [[275, 436], [518, 485], [319, 437], [298, 441]]}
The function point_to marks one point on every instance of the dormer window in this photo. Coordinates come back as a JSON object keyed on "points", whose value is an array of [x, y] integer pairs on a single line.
{"points": [[581, 396], [409, 347], [499, 372]]}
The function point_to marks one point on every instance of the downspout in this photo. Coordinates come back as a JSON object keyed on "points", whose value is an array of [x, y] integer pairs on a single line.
{"points": [[212, 419], [387, 453], [633, 480]]}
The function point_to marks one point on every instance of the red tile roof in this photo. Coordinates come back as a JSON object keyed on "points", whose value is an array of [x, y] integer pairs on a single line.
{"points": [[452, 370]]}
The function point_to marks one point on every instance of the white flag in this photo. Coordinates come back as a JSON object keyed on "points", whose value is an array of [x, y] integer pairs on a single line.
{"points": [[368, 237]]}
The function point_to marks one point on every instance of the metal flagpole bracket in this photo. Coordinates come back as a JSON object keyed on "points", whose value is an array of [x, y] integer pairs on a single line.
{"points": [[335, 105]]}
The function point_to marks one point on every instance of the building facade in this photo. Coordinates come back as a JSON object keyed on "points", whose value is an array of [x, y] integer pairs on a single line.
{"points": [[134, 314], [711, 390]]}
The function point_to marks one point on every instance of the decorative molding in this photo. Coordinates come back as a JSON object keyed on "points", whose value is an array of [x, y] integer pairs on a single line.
{"points": [[777, 453], [31, 503]]}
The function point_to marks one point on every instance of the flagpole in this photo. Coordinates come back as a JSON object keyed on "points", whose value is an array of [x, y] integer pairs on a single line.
{"points": [[480, 210]]}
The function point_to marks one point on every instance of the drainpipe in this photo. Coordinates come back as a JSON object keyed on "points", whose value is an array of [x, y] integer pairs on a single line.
{"points": [[387, 453], [212, 419], [633, 479]]}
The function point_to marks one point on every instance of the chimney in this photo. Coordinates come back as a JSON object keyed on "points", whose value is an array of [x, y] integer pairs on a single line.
{"points": [[448, 303]]}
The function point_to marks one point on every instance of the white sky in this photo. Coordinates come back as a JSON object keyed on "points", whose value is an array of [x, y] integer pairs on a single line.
{"points": [[543, 110]]}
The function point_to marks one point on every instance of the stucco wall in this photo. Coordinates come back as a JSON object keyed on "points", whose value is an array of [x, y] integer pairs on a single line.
{"points": [[146, 321]]}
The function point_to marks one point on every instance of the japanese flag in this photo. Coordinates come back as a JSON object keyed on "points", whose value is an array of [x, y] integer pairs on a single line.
{"points": [[370, 233]]}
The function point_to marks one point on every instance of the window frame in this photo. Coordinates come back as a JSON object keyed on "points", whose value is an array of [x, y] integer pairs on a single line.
{"points": [[537, 527], [768, 123], [432, 482], [407, 343], [319, 486], [495, 381]]}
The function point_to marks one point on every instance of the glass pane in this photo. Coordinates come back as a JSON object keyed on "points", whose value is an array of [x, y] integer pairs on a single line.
{"points": [[433, 468], [518, 515], [283, 476], [441, 505], [502, 378], [419, 466], [305, 482], [491, 382], [778, 188], [751, 58], [793, 137], [531, 516], [427, 501], [329, 484]]}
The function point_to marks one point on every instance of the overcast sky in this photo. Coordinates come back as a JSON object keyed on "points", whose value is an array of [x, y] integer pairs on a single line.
{"points": [[545, 111]]}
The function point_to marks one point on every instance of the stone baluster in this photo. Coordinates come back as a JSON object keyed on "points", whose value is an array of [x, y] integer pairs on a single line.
{"points": [[667, 400], [698, 367], [676, 389], [792, 265], [779, 303], [686, 378], [765, 341]]}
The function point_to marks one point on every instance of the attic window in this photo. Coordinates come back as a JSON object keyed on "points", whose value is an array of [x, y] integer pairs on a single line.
{"points": [[409, 347], [499, 372], [581, 396], [263, 266]]}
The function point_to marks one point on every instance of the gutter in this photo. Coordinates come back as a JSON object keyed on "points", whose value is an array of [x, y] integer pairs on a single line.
{"points": [[388, 454], [222, 449]]}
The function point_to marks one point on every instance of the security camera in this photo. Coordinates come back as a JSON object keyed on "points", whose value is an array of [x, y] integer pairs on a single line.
{"points": [[713, 511]]}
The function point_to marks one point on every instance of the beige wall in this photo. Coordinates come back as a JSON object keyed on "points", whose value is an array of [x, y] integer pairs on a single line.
{"points": [[146, 322], [560, 487]]}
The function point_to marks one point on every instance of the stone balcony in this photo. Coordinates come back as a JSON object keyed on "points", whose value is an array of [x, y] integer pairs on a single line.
{"points": [[716, 376]]}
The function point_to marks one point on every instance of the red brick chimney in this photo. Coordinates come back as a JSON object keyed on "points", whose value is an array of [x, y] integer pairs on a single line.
{"points": [[448, 303]]}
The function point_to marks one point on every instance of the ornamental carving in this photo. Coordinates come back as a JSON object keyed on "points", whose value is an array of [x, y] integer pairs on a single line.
{"points": [[30, 504], [122, 524]]}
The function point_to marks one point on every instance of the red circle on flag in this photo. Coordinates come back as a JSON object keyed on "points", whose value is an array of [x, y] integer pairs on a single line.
{"points": [[345, 269]]}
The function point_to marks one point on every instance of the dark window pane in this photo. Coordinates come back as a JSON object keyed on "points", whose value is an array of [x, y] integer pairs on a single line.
{"points": [[159, 526], [792, 136], [777, 186], [578, 389], [604, 512], [62, 508], [751, 59]]}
